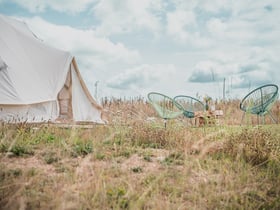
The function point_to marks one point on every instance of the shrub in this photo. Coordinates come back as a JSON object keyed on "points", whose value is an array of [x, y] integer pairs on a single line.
{"points": [[255, 145]]}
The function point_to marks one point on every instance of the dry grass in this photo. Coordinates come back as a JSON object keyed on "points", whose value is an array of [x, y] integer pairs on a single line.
{"points": [[133, 162]]}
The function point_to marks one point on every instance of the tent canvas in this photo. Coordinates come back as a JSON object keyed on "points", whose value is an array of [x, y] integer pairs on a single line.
{"points": [[39, 83]]}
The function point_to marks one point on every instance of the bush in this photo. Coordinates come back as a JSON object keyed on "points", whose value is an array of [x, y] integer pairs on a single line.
{"points": [[256, 145]]}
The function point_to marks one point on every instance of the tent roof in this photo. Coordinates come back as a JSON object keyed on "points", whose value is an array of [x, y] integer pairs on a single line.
{"points": [[32, 71]]}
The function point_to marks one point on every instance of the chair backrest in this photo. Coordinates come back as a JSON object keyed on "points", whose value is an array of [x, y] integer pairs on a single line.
{"points": [[189, 105], [260, 100], [165, 106]]}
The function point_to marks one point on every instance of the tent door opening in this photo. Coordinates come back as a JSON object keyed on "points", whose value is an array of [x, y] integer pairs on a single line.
{"points": [[65, 100]]}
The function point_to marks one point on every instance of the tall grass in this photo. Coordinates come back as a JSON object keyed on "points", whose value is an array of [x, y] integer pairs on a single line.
{"points": [[134, 162]]}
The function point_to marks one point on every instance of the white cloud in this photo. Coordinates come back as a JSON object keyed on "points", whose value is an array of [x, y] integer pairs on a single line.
{"points": [[92, 50], [144, 76], [72, 6], [127, 16], [251, 79], [140, 80], [207, 71], [238, 40], [215, 6], [216, 27], [251, 67], [178, 22]]}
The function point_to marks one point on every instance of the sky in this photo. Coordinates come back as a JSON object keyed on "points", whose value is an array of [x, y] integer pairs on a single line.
{"points": [[128, 48]]}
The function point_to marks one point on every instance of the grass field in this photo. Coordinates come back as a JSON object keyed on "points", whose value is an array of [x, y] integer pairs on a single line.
{"points": [[133, 162]]}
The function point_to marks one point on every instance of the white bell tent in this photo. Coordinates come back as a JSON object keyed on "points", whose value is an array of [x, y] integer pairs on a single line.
{"points": [[39, 83]]}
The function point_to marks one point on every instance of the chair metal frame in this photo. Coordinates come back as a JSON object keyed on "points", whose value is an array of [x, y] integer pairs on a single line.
{"points": [[189, 104], [260, 101], [164, 105]]}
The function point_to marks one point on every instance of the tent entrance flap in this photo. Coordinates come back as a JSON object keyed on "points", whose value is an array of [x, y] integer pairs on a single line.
{"points": [[65, 100]]}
